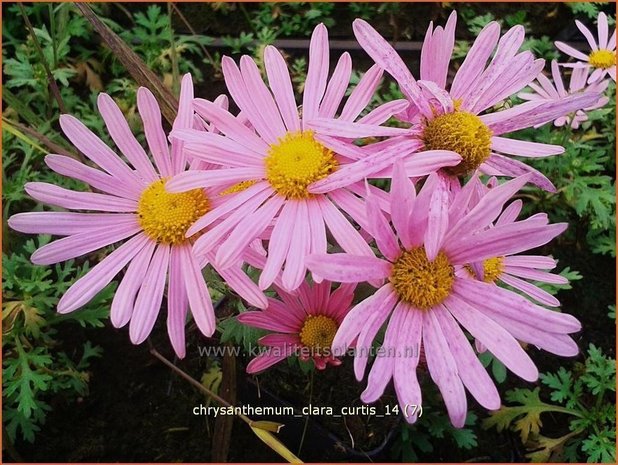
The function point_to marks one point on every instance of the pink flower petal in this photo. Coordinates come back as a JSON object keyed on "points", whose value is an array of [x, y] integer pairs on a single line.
{"points": [[66, 223], [177, 304], [384, 364], [503, 240], [343, 232], [247, 230], [230, 126], [506, 166], [100, 275], [486, 211], [514, 306], [362, 94], [437, 220], [382, 301], [588, 35], [404, 373], [538, 294], [83, 243], [337, 85], [531, 261], [200, 301], [497, 340], [570, 51], [347, 268], [475, 61], [155, 136], [188, 180], [365, 167], [123, 137], [98, 179], [381, 230], [387, 58], [259, 191], [243, 286], [124, 298], [238, 84], [94, 148], [295, 267], [469, 368], [317, 73], [150, 295], [281, 86], [279, 244], [443, 370], [403, 195], [265, 321]]}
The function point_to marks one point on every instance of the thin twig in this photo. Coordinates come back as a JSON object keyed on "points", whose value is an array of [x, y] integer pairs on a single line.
{"points": [[174, 56], [50, 78], [204, 49], [47, 142], [302, 438]]}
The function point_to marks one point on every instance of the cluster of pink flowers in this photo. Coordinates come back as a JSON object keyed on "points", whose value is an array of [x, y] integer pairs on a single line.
{"points": [[282, 187]]}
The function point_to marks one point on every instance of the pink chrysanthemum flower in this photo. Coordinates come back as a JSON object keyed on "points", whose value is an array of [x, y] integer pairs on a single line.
{"points": [[452, 117], [132, 205], [548, 90], [427, 301], [513, 270], [272, 167], [602, 56], [305, 322]]}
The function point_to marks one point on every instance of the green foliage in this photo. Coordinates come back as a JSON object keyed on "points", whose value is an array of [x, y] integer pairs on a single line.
{"points": [[434, 427], [35, 366], [292, 19], [585, 394]]}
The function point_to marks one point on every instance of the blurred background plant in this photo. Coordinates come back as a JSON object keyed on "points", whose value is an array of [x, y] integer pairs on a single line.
{"points": [[49, 359]]}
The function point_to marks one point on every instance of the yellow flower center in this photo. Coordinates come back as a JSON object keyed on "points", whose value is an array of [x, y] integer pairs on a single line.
{"points": [[419, 282], [492, 269], [463, 133], [318, 332], [238, 187], [602, 59], [296, 161], [165, 217]]}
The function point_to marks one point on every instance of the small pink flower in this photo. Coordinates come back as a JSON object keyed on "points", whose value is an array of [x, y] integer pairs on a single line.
{"points": [[545, 90], [454, 117], [602, 56], [434, 233], [513, 270], [271, 164], [305, 324], [132, 205]]}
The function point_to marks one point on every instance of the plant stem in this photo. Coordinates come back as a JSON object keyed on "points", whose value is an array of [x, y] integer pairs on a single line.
{"points": [[192, 30], [302, 438], [50, 78], [174, 56]]}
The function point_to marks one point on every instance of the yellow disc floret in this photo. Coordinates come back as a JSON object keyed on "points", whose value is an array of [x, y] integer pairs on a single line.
{"points": [[602, 59], [165, 217], [420, 282], [492, 269], [238, 187], [296, 161], [318, 332], [463, 133]]}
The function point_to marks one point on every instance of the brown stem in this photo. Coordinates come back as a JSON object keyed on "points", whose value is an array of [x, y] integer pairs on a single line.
{"points": [[46, 141], [50, 78], [136, 67]]}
